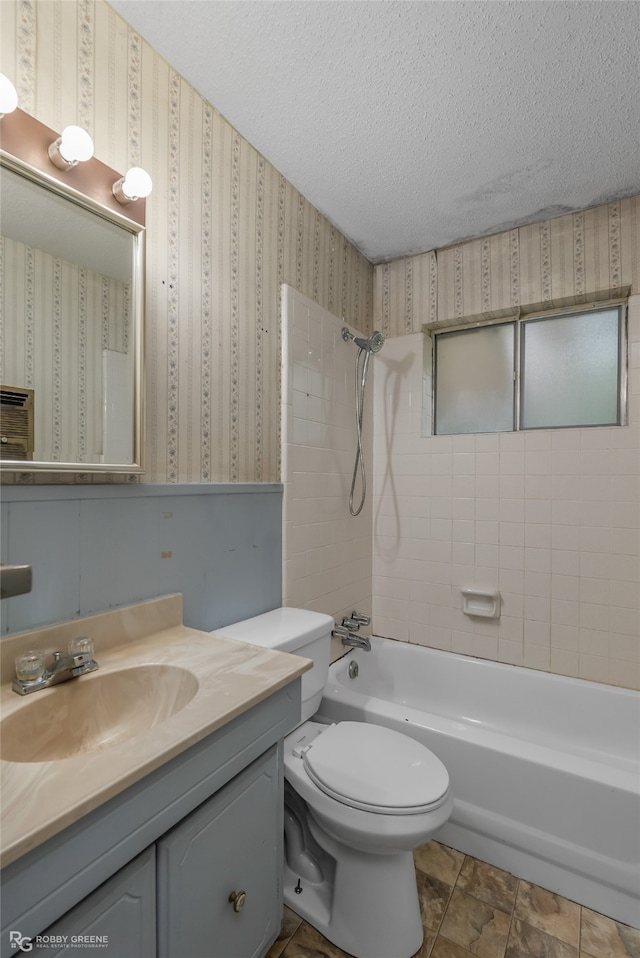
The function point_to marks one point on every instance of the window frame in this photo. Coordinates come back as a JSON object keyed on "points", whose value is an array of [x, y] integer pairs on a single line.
{"points": [[517, 320]]}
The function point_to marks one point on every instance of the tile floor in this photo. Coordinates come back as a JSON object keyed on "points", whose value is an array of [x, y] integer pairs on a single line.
{"points": [[470, 909]]}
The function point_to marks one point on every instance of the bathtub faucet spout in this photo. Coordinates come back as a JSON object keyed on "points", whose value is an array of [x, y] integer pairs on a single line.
{"points": [[349, 638], [358, 642]]}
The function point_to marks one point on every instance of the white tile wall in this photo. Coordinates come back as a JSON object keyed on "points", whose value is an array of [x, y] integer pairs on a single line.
{"points": [[551, 518], [327, 552]]}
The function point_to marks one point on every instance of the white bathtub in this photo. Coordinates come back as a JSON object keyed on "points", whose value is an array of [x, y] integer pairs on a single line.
{"points": [[545, 770]]}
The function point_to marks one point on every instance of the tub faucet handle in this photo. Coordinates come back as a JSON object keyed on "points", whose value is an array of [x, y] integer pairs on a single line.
{"points": [[360, 618], [350, 623], [340, 632]]}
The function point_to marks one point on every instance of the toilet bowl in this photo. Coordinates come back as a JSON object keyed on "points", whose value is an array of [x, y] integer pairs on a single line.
{"points": [[359, 798], [368, 786]]}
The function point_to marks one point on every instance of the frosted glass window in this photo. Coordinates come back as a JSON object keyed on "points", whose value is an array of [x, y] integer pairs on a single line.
{"points": [[474, 389], [569, 370], [572, 372]]}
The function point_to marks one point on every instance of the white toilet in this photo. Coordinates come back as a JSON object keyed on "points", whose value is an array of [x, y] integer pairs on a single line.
{"points": [[359, 798]]}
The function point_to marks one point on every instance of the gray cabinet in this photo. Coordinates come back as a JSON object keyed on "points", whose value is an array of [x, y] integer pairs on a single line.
{"points": [[210, 887], [118, 918], [218, 872], [174, 845]]}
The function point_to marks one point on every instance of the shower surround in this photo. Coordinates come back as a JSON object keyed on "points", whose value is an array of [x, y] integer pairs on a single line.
{"points": [[551, 518], [327, 552]]}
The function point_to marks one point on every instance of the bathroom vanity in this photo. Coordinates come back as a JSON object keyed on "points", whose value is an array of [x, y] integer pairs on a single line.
{"points": [[168, 842]]}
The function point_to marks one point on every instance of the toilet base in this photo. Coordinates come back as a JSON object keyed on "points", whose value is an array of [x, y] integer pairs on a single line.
{"points": [[368, 907]]}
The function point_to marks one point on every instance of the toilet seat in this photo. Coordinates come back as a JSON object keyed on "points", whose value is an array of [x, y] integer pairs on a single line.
{"points": [[376, 769]]}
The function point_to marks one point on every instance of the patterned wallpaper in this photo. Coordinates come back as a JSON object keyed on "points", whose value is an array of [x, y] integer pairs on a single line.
{"points": [[225, 230], [554, 263]]}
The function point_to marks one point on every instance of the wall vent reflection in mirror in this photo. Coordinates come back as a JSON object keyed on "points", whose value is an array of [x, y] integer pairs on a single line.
{"points": [[16, 423]]}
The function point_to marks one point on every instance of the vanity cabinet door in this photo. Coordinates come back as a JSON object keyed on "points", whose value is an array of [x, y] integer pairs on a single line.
{"points": [[219, 870], [121, 913]]}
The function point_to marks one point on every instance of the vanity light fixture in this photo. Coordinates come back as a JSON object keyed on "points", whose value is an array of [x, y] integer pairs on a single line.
{"points": [[72, 147], [8, 95], [58, 158], [134, 185]]}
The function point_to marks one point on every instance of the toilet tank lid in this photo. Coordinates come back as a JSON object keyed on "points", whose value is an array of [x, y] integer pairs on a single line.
{"points": [[285, 629]]}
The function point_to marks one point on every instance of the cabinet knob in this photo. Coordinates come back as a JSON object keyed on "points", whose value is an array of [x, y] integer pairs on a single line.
{"points": [[237, 899]]}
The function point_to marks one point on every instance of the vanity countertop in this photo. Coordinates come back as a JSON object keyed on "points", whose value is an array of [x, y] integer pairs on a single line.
{"points": [[40, 799]]}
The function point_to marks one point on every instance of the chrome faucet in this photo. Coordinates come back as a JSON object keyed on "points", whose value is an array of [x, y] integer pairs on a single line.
{"points": [[357, 641], [64, 667], [349, 638]]}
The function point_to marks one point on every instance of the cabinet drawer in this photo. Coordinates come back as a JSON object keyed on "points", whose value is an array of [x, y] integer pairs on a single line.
{"points": [[229, 846]]}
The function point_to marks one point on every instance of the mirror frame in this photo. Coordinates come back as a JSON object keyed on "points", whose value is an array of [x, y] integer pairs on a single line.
{"points": [[24, 143]]}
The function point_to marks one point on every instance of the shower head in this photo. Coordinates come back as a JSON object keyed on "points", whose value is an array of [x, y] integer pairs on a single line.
{"points": [[373, 344]]}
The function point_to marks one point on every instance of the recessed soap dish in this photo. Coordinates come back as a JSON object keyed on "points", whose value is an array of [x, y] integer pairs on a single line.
{"points": [[485, 603]]}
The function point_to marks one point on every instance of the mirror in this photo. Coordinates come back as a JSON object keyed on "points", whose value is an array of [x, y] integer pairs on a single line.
{"points": [[71, 322]]}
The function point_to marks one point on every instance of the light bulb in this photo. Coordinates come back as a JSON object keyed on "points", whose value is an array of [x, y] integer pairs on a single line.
{"points": [[8, 95], [72, 147], [134, 185], [76, 145]]}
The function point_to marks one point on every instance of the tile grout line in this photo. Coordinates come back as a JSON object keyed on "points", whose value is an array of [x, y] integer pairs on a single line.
{"points": [[444, 912], [445, 909], [579, 930], [511, 917], [425, 927]]}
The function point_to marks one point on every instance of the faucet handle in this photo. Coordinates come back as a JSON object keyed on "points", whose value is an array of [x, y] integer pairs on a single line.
{"points": [[81, 644], [351, 623], [340, 632], [360, 618], [30, 666], [81, 649]]}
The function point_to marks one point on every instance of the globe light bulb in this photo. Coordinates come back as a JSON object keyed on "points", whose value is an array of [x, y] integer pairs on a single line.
{"points": [[73, 146], [134, 185], [76, 146], [8, 95]]}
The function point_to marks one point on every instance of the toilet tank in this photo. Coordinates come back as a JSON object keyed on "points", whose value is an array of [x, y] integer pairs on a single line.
{"points": [[298, 631]]}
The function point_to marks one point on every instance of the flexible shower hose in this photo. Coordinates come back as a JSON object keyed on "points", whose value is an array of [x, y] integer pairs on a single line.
{"points": [[360, 381]]}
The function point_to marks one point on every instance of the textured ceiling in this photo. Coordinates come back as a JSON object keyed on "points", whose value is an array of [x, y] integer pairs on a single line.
{"points": [[412, 125]]}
